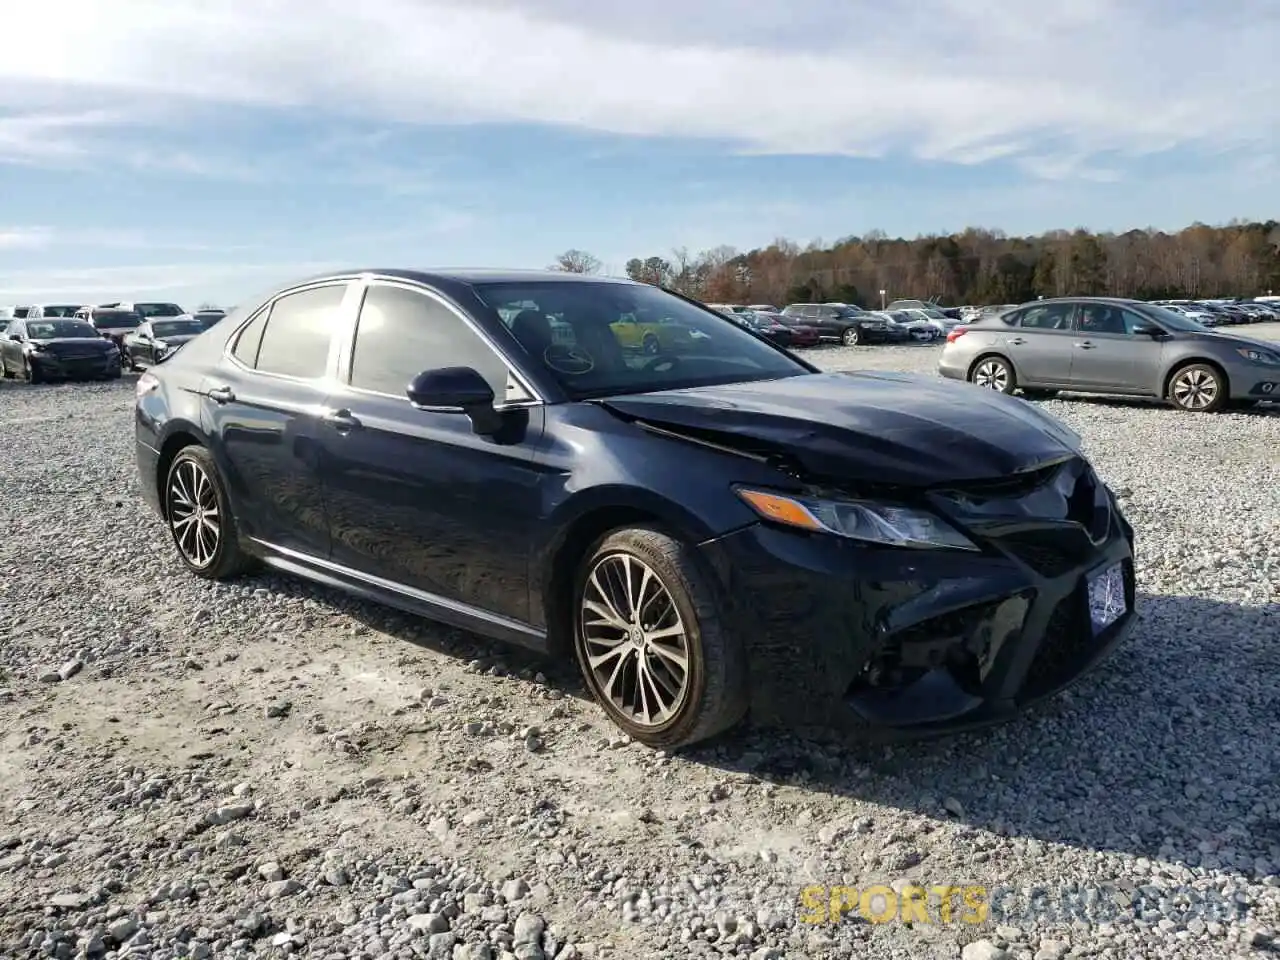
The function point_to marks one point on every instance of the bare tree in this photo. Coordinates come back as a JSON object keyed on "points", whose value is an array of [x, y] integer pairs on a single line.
{"points": [[577, 261]]}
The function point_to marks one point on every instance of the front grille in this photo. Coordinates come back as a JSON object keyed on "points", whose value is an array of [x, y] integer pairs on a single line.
{"points": [[1067, 643], [1051, 552]]}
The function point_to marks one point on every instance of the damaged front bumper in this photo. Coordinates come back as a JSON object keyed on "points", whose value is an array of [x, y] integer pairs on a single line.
{"points": [[909, 643]]}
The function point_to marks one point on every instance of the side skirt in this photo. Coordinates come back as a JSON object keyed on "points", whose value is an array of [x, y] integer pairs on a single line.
{"points": [[430, 606]]}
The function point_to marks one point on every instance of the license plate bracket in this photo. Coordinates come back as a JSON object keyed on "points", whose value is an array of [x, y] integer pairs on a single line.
{"points": [[1107, 599]]}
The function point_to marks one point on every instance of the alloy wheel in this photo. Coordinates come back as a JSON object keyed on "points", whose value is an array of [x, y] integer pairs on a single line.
{"points": [[993, 375], [194, 517], [851, 337], [1195, 389], [635, 642]]}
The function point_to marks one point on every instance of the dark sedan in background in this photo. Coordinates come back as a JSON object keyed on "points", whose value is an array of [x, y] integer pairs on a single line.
{"points": [[708, 533], [156, 339], [57, 349], [775, 330], [1110, 346], [841, 322]]}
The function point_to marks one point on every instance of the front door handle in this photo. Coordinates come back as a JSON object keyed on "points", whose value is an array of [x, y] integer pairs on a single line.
{"points": [[1085, 345], [1018, 341], [341, 420], [221, 395]]}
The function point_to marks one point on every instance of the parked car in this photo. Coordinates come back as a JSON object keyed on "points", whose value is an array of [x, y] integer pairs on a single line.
{"points": [[113, 323], [909, 327], [154, 340], [207, 318], [1116, 347], [147, 310], [802, 334], [842, 322], [51, 310], [684, 525], [774, 330], [56, 349], [763, 308]]}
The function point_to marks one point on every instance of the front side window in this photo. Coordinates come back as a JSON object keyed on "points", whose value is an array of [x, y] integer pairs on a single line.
{"points": [[624, 338], [298, 331], [402, 332]]}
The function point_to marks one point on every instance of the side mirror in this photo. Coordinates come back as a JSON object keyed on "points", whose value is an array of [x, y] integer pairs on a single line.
{"points": [[15, 337], [1147, 330], [451, 388]]}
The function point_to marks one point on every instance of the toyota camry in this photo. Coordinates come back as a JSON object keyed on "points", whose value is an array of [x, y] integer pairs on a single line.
{"points": [[711, 530]]}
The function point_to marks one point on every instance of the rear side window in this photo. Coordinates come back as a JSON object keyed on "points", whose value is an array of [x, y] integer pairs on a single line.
{"points": [[1053, 316], [402, 332], [246, 348], [298, 330]]}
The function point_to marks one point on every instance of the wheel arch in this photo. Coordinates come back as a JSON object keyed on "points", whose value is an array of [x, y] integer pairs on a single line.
{"points": [[178, 435], [1182, 363], [582, 522]]}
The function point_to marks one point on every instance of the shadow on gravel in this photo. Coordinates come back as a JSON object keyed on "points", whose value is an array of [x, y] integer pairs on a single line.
{"points": [[1267, 408], [1166, 750]]}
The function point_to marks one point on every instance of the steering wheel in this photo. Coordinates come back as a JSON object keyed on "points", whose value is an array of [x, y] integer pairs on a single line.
{"points": [[572, 361], [663, 363]]}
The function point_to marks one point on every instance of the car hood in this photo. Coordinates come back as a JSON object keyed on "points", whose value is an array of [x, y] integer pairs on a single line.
{"points": [[871, 427], [1232, 340]]}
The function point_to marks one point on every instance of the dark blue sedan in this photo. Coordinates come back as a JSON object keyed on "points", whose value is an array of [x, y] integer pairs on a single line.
{"points": [[711, 529]]}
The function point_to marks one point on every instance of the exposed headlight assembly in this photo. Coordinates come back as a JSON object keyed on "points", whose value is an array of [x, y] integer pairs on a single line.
{"points": [[866, 520]]}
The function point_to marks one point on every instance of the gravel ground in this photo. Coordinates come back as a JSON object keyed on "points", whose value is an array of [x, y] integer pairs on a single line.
{"points": [[270, 769]]}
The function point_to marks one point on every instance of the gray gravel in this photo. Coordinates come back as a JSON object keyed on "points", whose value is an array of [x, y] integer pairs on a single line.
{"points": [[271, 769]]}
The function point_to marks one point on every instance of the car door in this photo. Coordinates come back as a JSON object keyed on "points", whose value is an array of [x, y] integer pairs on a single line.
{"points": [[262, 408], [1110, 356], [1041, 344], [416, 497]]}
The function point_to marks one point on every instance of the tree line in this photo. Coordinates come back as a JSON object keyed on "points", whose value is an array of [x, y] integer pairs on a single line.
{"points": [[977, 266]]}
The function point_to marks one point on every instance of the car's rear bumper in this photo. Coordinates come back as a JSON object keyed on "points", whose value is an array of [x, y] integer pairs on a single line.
{"points": [[952, 367], [820, 615]]}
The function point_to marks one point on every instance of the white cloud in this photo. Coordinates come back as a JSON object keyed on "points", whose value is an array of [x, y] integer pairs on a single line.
{"points": [[91, 284], [25, 238], [955, 80]]}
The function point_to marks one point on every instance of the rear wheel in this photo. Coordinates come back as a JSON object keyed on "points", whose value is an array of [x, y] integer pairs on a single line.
{"points": [[851, 337], [199, 517], [651, 638], [993, 373], [1198, 388]]}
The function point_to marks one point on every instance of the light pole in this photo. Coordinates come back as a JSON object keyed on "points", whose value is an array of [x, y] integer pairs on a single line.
{"points": [[882, 299]]}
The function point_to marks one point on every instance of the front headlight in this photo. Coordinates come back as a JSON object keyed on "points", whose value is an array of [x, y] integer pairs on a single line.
{"points": [[161, 345], [1259, 356], [865, 520]]}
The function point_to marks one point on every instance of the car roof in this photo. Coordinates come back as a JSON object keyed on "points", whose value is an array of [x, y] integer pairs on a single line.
{"points": [[473, 275]]}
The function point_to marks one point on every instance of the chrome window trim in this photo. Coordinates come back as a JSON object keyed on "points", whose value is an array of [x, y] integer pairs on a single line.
{"points": [[348, 337], [329, 376]]}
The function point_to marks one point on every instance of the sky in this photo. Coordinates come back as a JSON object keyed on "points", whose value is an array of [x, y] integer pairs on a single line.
{"points": [[207, 152]]}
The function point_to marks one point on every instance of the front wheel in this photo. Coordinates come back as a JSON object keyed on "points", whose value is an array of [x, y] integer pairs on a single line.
{"points": [[993, 373], [199, 518], [651, 638], [851, 337], [1198, 388]]}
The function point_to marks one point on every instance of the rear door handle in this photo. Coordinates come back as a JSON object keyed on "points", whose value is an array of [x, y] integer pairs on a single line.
{"points": [[1085, 345], [341, 420], [221, 395]]}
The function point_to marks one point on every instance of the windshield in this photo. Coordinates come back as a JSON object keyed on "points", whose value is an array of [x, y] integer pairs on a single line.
{"points": [[115, 319], [1174, 321], [149, 310], [601, 339], [176, 328], [59, 329]]}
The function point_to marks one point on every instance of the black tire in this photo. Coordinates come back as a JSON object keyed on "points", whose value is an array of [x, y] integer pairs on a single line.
{"points": [[715, 694], [5, 372], [228, 558], [851, 337], [1034, 394], [651, 345], [994, 372], [1198, 388], [30, 372]]}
